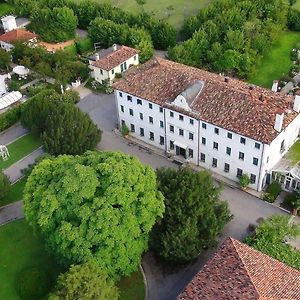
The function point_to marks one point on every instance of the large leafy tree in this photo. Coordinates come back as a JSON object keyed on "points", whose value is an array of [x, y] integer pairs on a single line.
{"points": [[5, 59], [86, 281], [101, 206], [194, 215], [270, 237]]}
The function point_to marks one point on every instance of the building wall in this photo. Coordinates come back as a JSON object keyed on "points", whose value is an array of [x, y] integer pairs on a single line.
{"points": [[96, 72], [257, 159], [6, 46]]}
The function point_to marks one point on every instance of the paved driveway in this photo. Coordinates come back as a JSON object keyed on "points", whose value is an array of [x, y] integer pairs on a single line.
{"points": [[166, 284]]}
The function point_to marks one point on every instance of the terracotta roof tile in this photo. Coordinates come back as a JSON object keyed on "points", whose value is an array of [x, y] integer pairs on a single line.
{"points": [[234, 105], [113, 58], [238, 271], [17, 35]]}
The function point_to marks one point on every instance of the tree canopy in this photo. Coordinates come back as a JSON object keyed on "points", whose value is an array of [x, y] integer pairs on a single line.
{"points": [[4, 59], [100, 206], [194, 215], [270, 237], [84, 282], [63, 127]]}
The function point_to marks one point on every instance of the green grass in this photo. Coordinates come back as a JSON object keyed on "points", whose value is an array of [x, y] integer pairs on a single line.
{"points": [[20, 148], [21, 250], [276, 62], [294, 153], [5, 9], [182, 8], [297, 5], [15, 193], [132, 287]]}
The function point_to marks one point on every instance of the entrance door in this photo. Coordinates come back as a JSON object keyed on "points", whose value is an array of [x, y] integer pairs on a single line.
{"points": [[287, 184], [180, 151]]}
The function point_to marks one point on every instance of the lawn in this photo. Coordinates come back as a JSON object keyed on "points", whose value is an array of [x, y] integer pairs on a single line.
{"points": [[276, 62], [21, 250], [294, 153], [15, 193], [5, 9], [181, 9], [20, 148]]}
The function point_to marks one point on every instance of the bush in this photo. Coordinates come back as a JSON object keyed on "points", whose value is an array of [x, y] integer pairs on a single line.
{"points": [[33, 284], [10, 117], [84, 45], [124, 130], [4, 185], [293, 19], [272, 191], [244, 181]]}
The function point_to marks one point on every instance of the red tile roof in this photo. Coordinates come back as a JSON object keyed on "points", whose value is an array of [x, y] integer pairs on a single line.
{"points": [[110, 58], [234, 105], [17, 35], [238, 271]]}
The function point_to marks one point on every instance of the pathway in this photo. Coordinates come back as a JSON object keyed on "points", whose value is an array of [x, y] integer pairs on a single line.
{"points": [[12, 133], [11, 212]]}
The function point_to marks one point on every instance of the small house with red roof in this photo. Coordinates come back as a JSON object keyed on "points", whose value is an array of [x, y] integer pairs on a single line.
{"points": [[239, 272], [8, 39], [107, 63]]}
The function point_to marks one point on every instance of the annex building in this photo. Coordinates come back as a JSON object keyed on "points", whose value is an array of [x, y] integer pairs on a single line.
{"points": [[216, 122]]}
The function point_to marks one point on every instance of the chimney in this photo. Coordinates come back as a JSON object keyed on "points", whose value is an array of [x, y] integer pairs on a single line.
{"points": [[114, 47], [297, 102], [97, 56], [275, 86], [278, 121]]}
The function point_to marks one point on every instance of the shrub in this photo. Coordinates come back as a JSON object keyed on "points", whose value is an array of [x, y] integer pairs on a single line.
{"points": [[244, 181], [84, 45], [33, 284], [124, 130], [4, 185], [272, 191], [291, 201], [10, 117]]}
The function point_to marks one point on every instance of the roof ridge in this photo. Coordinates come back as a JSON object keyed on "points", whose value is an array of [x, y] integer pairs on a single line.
{"points": [[233, 241]]}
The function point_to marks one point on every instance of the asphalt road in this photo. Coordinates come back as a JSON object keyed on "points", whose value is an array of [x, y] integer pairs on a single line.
{"points": [[166, 284]]}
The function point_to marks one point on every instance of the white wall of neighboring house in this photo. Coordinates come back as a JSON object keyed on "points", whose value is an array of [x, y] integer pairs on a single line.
{"points": [[6, 46], [9, 23], [100, 75]]}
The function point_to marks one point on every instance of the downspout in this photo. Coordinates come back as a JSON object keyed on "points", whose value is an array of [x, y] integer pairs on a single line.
{"points": [[198, 156], [166, 146], [117, 106], [261, 162]]}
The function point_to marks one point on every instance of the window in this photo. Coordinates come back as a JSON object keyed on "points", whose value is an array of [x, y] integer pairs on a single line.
{"points": [[171, 145], [161, 124], [203, 140], [216, 130], [101, 72], [180, 117], [150, 120], [204, 125], [122, 108], [214, 162], [123, 122], [191, 136], [150, 105], [112, 72], [228, 150], [141, 116], [226, 168], [161, 110], [215, 145], [142, 132], [257, 145], [282, 147], [255, 161], [134, 58], [151, 135], [120, 94], [139, 102], [161, 140], [239, 173], [252, 178], [242, 140], [132, 129], [241, 155], [181, 132], [191, 121], [171, 114], [130, 111], [191, 153], [171, 128], [202, 157], [229, 135], [129, 98]]}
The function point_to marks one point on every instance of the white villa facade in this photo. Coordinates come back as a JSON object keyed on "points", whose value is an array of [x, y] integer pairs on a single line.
{"points": [[220, 124], [105, 64]]}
